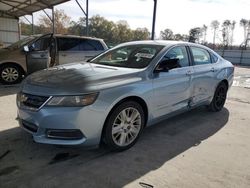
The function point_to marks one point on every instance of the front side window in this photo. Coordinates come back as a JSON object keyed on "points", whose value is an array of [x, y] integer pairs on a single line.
{"points": [[175, 58], [131, 56], [200, 56], [41, 44]]}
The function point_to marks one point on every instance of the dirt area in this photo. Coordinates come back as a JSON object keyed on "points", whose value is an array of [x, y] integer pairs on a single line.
{"points": [[193, 150]]}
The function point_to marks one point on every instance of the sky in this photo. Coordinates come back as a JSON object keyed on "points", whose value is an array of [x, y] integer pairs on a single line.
{"points": [[178, 15]]}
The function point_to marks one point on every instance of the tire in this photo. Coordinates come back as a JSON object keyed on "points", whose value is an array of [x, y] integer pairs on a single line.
{"points": [[120, 133], [219, 98], [10, 74]]}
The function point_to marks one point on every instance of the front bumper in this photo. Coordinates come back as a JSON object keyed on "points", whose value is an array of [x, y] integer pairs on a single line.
{"points": [[63, 125]]}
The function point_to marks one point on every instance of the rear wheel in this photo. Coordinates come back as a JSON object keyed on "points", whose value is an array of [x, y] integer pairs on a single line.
{"points": [[219, 98], [123, 126], [10, 74]]}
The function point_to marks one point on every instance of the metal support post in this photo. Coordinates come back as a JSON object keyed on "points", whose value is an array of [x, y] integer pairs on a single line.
{"points": [[87, 17], [32, 27], [154, 17], [86, 14], [53, 20]]}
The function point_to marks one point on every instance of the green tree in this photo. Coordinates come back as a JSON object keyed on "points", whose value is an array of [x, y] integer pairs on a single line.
{"points": [[78, 28], [102, 28], [123, 33], [232, 27], [204, 33], [62, 22], [215, 26], [178, 37], [245, 24], [195, 34], [112, 33], [26, 29], [227, 32], [185, 37], [141, 34], [167, 34]]}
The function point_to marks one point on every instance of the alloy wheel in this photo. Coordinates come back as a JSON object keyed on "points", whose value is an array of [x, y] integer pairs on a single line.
{"points": [[126, 126], [220, 97]]}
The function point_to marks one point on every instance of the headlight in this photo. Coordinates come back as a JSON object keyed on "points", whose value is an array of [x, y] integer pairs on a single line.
{"points": [[73, 101]]}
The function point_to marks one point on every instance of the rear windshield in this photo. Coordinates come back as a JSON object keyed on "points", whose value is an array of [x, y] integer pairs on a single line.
{"points": [[131, 56]]}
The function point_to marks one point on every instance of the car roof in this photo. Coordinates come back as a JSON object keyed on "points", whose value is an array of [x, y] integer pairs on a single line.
{"points": [[76, 36], [166, 43], [67, 36]]}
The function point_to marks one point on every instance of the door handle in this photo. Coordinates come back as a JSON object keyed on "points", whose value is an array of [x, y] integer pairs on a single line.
{"points": [[42, 55], [189, 72], [64, 55], [213, 69]]}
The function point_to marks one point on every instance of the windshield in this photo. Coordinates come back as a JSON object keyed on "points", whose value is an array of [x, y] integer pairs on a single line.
{"points": [[131, 56], [21, 42]]}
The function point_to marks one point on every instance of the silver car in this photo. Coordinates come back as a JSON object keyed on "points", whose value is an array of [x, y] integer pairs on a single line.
{"points": [[112, 98]]}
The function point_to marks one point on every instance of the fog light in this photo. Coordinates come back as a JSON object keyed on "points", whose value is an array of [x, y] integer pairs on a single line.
{"points": [[64, 134]]}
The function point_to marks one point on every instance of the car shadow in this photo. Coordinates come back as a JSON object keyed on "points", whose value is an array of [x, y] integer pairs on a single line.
{"points": [[8, 89], [28, 164]]}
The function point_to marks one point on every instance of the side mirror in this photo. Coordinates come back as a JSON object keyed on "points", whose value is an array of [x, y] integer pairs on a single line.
{"points": [[166, 65], [161, 67], [26, 48]]}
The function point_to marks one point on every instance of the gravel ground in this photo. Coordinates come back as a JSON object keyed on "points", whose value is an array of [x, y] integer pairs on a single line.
{"points": [[192, 150]]}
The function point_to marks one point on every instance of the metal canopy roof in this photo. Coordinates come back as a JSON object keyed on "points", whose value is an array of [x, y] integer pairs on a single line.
{"points": [[17, 8]]}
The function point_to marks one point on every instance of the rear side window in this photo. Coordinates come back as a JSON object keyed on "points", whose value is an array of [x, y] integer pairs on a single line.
{"points": [[90, 45], [214, 58], [79, 44], [68, 44], [200, 56]]}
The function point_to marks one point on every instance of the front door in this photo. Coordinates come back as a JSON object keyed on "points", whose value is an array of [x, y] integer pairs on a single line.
{"points": [[172, 87], [38, 57], [37, 60]]}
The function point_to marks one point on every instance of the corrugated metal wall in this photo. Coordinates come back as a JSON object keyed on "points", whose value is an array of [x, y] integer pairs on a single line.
{"points": [[9, 31], [236, 56]]}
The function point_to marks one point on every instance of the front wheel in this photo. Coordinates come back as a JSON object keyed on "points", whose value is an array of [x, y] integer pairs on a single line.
{"points": [[10, 74], [219, 98], [123, 126]]}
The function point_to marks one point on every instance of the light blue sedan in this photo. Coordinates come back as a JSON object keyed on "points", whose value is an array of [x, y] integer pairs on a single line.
{"points": [[114, 96]]}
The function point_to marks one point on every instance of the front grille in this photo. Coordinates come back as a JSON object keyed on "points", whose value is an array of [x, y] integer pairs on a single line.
{"points": [[31, 101], [29, 126]]}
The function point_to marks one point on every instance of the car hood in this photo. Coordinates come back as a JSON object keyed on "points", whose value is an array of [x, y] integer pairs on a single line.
{"points": [[2, 50], [8, 49], [5, 53], [78, 78]]}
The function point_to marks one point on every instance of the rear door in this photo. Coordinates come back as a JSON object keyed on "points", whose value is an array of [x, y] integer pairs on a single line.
{"points": [[77, 49], [38, 57], [90, 48], [68, 50], [172, 89], [203, 78]]}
